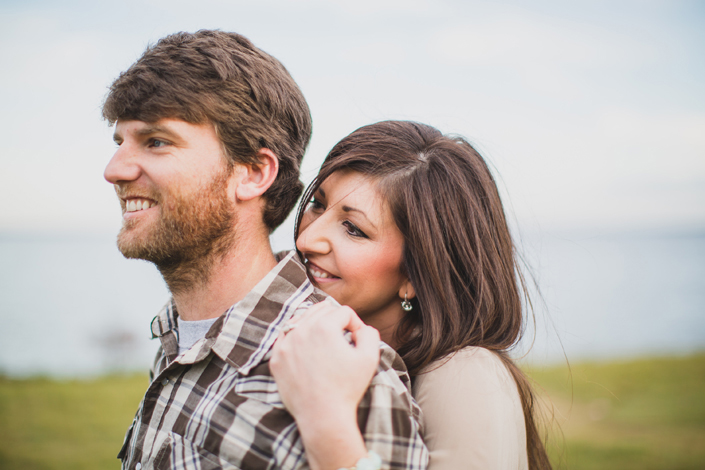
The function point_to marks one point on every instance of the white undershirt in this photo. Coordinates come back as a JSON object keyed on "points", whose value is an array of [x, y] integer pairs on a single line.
{"points": [[191, 331]]}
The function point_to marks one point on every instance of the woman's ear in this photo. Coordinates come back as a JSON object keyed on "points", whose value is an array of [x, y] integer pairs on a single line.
{"points": [[407, 290], [258, 177]]}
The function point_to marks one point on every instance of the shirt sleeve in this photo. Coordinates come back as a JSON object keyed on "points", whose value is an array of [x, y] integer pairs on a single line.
{"points": [[473, 417], [389, 419]]}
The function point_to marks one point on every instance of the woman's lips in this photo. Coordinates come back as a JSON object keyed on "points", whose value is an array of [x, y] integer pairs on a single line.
{"points": [[320, 274]]}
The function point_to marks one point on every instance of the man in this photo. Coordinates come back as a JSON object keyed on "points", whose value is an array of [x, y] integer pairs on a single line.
{"points": [[211, 132]]}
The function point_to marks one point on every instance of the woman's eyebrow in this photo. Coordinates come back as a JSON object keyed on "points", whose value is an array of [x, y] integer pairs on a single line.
{"points": [[353, 209]]}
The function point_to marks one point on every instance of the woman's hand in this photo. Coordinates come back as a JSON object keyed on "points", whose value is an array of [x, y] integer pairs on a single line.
{"points": [[322, 377], [315, 366]]}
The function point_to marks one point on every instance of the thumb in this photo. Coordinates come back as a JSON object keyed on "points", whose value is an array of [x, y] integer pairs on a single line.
{"points": [[366, 339]]}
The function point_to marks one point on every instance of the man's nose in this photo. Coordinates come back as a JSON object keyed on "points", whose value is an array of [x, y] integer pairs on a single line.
{"points": [[123, 166]]}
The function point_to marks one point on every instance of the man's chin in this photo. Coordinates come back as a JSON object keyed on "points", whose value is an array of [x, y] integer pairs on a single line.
{"points": [[131, 250], [132, 246]]}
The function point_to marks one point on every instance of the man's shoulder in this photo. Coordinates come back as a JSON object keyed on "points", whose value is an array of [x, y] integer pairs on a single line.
{"points": [[318, 295], [391, 386], [391, 370], [388, 409]]}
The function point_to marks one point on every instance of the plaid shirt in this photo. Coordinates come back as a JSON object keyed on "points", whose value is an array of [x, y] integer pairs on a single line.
{"points": [[217, 405]]}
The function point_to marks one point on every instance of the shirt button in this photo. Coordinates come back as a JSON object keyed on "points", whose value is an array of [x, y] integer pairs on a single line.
{"points": [[165, 382], [138, 466]]}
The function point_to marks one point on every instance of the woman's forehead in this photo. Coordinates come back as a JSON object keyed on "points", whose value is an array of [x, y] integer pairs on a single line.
{"points": [[350, 184], [352, 188]]}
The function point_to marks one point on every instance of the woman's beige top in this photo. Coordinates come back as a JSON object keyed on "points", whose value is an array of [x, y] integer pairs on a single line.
{"points": [[472, 413]]}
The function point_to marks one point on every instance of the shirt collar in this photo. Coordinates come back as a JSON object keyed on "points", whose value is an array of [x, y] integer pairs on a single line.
{"points": [[244, 334]]}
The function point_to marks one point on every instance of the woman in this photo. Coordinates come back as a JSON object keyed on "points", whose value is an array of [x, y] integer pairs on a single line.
{"points": [[406, 227]]}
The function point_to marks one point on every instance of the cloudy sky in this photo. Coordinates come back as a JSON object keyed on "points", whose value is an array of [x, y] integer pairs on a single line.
{"points": [[592, 112]]}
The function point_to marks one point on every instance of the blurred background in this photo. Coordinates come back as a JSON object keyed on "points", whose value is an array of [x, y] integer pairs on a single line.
{"points": [[591, 113]]}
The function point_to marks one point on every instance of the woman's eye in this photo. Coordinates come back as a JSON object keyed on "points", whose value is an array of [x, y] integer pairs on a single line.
{"points": [[353, 231], [316, 205]]}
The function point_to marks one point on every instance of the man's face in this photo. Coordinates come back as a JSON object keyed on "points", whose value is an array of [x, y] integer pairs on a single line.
{"points": [[174, 186]]}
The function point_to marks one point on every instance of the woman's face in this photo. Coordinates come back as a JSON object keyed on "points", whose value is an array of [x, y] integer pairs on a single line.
{"points": [[354, 249]]}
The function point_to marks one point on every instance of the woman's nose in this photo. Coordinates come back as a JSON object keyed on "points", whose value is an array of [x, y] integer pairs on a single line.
{"points": [[315, 238]]}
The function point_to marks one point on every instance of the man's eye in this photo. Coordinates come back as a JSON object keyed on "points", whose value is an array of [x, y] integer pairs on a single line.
{"points": [[353, 231], [157, 143]]}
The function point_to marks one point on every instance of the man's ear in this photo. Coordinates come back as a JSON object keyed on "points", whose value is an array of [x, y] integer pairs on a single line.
{"points": [[258, 177]]}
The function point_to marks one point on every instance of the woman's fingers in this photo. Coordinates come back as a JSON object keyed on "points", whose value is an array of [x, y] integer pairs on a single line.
{"points": [[312, 311], [366, 337], [353, 321], [366, 341], [315, 364], [328, 316]]}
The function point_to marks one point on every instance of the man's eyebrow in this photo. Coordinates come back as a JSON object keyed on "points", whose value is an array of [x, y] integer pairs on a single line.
{"points": [[149, 130], [155, 129], [353, 209]]}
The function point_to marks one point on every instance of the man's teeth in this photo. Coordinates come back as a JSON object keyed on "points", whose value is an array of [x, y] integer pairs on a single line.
{"points": [[134, 205], [320, 274]]}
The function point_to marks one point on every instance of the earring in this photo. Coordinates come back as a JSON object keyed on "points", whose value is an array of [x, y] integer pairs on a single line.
{"points": [[406, 305]]}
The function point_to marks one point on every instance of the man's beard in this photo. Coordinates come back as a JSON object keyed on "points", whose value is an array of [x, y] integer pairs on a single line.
{"points": [[191, 234]]}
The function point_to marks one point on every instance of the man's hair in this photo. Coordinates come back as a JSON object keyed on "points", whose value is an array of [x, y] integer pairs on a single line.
{"points": [[222, 78]]}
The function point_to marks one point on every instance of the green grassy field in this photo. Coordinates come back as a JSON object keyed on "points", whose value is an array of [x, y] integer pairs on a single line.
{"points": [[642, 414], [46, 424]]}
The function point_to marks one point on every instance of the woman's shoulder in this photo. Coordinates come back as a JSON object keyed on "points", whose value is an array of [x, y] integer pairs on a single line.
{"points": [[471, 364], [472, 412], [466, 379]]}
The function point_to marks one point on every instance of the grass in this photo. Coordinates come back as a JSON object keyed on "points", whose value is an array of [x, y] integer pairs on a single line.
{"points": [[48, 424], [641, 414]]}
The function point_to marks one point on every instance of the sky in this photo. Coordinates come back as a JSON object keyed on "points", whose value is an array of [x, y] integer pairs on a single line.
{"points": [[591, 113]]}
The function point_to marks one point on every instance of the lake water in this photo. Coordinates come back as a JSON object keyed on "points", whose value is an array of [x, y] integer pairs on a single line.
{"points": [[75, 307]]}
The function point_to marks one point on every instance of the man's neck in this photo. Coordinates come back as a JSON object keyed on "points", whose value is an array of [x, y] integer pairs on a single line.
{"points": [[229, 279]]}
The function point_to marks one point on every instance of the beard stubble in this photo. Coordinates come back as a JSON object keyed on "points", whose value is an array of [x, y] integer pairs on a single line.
{"points": [[192, 233]]}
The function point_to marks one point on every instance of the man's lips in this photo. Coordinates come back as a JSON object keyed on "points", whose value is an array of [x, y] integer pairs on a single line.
{"points": [[319, 273]]}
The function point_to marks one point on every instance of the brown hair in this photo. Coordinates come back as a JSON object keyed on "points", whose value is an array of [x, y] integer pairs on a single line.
{"points": [[458, 252], [221, 78]]}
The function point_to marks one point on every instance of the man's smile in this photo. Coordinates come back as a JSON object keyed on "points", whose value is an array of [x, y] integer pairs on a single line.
{"points": [[133, 205]]}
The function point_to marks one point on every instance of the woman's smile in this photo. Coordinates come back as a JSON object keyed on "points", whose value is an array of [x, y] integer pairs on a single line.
{"points": [[319, 274]]}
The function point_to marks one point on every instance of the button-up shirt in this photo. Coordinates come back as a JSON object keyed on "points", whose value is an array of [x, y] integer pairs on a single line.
{"points": [[217, 405]]}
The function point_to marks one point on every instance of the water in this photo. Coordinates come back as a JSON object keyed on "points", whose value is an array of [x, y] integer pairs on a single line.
{"points": [[75, 307], [620, 296]]}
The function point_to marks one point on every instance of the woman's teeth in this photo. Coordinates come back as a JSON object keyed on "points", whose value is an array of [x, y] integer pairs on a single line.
{"points": [[320, 274], [134, 205]]}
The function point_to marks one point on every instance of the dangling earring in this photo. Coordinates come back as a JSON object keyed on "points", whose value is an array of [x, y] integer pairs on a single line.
{"points": [[406, 305]]}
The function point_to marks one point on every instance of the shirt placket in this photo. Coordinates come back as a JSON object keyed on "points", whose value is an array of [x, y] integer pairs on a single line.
{"points": [[160, 392]]}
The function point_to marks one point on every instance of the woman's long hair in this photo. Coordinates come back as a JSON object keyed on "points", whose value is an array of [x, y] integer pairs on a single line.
{"points": [[458, 252]]}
